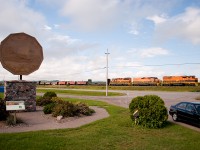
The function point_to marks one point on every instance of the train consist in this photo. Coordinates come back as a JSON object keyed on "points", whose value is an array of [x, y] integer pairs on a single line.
{"points": [[143, 81], [89, 82]]}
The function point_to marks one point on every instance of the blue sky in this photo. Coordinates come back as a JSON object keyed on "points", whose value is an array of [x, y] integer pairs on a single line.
{"points": [[143, 37]]}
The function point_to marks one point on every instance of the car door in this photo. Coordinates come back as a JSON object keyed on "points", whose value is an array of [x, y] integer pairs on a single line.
{"points": [[191, 113], [181, 110]]}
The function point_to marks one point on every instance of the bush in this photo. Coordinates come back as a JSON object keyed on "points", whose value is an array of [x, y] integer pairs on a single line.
{"points": [[64, 108], [42, 101], [3, 113], [152, 112], [50, 94], [68, 109], [57, 99], [49, 108], [82, 108]]}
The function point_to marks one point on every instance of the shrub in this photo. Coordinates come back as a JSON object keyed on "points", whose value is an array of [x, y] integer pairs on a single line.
{"points": [[82, 108], [42, 101], [64, 108], [152, 112], [50, 94], [49, 108], [3, 113], [57, 99]]}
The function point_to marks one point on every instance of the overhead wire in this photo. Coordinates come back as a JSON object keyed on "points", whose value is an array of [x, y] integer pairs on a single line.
{"points": [[178, 64]]}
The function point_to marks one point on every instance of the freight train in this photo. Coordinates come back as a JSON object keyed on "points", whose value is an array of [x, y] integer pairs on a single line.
{"points": [[142, 81], [89, 82]]}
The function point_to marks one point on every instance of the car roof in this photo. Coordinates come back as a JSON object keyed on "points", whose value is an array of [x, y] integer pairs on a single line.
{"points": [[191, 102]]}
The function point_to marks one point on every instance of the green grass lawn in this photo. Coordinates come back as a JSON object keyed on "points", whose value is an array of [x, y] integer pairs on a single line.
{"points": [[2, 95], [137, 88], [82, 93], [114, 132]]}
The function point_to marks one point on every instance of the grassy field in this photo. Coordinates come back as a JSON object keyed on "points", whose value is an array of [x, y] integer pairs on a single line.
{"points": [[82, 93], [114, 132], [1, 95], [137, 88]]}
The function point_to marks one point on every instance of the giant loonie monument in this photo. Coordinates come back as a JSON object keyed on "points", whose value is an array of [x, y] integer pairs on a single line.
{"points": [[21, 54]]}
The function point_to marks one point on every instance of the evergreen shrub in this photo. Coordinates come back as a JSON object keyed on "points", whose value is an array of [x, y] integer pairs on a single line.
{"points": [[50, 94], [151, 109], [48, 109]]}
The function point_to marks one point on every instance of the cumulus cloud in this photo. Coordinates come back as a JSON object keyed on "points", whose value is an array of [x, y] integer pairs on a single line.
{"points": [[46, 27], [62, 53], [152, 52], [16, 17], [149, 52], [92, 14], [185, 25], [103, 14], [157, 19]]}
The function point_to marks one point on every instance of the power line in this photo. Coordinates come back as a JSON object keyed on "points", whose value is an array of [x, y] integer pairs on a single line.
{"points": [[179, 64]]}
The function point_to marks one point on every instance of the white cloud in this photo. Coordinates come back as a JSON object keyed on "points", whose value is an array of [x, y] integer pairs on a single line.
{"points": [[149, 52], [97, 15], [185, 26], [134, 29], [157, 19], [62, 53], [16, 17], [152, 52], [92, 14], [46, 27]]}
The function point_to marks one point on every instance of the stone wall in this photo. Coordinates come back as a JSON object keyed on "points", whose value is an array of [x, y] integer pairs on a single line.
{"points": [[21, 90]]}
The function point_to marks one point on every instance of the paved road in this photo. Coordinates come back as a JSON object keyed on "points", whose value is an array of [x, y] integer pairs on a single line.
{"points": [[170, 98]]}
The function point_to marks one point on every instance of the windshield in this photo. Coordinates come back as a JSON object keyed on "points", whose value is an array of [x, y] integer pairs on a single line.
{"points": [[198, 107]]}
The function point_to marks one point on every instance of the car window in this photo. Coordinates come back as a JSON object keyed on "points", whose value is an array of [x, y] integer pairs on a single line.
{"points": [[197, 108], [181, 105], [190, 107]]}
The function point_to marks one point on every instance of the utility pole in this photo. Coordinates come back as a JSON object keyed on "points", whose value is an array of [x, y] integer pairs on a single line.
{"points": [[107, 72]]}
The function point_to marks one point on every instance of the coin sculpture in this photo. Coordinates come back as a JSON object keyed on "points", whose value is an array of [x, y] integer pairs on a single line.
{"points": [[21, 54]]}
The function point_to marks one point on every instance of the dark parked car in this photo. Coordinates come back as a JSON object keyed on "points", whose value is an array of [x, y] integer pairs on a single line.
{"points": [[186, 111]]}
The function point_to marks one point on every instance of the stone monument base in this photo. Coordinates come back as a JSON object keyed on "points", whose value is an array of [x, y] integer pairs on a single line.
{"points": [[20, 90]]}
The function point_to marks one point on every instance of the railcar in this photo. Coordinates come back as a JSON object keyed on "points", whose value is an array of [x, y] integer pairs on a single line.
{"points": [[81, 82], [71, 82], [179, 80], [62, 83], [146, 81]]}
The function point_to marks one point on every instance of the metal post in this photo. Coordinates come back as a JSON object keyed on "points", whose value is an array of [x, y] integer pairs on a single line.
{"points": [[15, 118], [107, 72], [20, 77]]}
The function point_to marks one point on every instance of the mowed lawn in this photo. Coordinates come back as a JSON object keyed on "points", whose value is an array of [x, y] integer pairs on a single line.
{"points": [[80, 92], [114, 132], [136, 88]]}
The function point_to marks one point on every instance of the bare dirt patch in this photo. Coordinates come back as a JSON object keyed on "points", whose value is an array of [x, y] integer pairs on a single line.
{"points": [[33, 121]]}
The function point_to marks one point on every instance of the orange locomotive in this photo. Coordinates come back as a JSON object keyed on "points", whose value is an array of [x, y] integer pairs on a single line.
{"points": [[151, 81], [180, 80]]}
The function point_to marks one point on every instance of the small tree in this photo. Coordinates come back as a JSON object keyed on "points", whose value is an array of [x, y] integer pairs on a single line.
{"points": [[151, 109], [50, 94]]}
